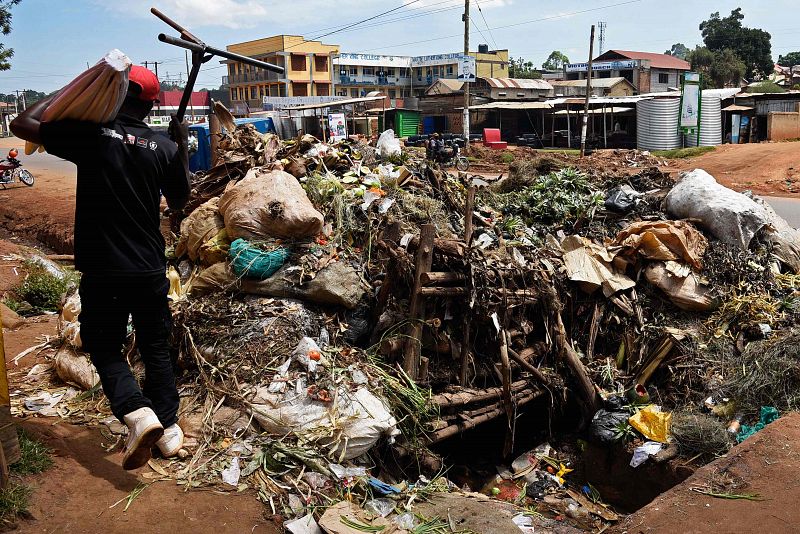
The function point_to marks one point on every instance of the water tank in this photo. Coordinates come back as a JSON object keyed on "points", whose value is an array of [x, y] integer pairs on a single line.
{"points": [[710, 122], [483, 48], [657, 124]]}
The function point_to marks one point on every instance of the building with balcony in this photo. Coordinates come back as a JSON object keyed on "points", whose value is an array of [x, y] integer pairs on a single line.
{"points": [[307, 70], [403, 76]]}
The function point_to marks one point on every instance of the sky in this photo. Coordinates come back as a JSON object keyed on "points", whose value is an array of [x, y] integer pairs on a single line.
{"points": [[54, 39]]}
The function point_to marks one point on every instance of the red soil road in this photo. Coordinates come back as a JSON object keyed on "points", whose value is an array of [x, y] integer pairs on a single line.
{"points": [[771, 169], [767, 464], [45, 211]]}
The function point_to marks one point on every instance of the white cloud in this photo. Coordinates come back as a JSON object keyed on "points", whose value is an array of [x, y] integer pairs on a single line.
{"points": [[232, 14]]}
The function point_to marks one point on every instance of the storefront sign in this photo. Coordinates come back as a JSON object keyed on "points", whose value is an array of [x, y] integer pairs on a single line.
{"points": [[602, 65]]}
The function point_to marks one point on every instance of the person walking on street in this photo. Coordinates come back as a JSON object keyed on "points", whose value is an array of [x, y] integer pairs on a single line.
{"points": [[123, 169]]}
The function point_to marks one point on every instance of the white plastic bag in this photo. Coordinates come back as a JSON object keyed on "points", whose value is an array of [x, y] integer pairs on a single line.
{"points": [[388, 145], [349, 425], [732, 217]]}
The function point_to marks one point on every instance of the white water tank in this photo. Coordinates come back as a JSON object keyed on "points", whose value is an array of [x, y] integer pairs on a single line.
{"points": [[657, 124], [710, 121]]}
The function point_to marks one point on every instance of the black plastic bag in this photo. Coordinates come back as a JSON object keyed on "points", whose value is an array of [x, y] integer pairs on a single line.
{"points": [[605, 426]]}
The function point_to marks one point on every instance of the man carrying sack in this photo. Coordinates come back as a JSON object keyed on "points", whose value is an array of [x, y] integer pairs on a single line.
{"points": [[123, 168]]}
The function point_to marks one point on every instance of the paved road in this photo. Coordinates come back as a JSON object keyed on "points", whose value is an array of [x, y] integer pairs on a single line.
{"points": [[788, 208]]}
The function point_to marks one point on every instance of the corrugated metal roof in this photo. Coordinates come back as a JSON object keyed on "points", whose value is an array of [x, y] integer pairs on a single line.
{"points": [[513, 105], [596, 82], [335, 103], [518, 83], [597, 111]]}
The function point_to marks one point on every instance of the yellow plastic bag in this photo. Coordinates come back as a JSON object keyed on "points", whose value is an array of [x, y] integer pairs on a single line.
{"points": [[652, 423]]}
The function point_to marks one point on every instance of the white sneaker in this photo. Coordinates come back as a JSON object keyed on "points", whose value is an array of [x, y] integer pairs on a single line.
{"points": [[144, 430], [171, 442]]}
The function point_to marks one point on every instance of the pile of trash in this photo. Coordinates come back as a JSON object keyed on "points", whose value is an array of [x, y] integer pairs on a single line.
{"points": [[339, 312]]}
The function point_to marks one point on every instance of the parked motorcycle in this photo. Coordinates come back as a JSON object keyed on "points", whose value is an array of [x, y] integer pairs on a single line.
{"points": [[450, 156], [11, 170]]}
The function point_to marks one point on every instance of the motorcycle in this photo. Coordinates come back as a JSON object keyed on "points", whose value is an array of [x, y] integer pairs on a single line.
{"points": [[11, 170], [450, 156]]}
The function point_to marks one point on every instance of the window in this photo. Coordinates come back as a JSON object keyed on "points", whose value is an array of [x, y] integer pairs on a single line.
{"points": [[354, 93], [343, 92], [369, 71], [353, 71], [520, 95], [390, 72], [502, 95], [449, 70], [233, 94], [299, 89], [298, 62], [323, 89], [252, 92], [663, 77], [321, 63], [392, 93]]}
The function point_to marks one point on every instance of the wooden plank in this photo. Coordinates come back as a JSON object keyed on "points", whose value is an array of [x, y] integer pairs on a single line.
{"points": [[423, 263], [438, 278]]}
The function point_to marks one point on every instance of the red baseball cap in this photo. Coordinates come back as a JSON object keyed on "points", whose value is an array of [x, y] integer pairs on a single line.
{"points": [[148, 81]]}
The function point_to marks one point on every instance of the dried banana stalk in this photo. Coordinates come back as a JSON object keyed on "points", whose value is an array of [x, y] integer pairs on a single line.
{"points": [[94, 96]]}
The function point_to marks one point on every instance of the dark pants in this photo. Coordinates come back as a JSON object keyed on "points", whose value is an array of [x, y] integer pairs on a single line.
{"points": [[106, 304]]}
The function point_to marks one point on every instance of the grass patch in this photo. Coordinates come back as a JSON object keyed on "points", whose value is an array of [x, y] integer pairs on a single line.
{"points": [[42, 289], [14, 502], [507, 157], [12, 303], [567, 151], [36, 457], [683, 153]]}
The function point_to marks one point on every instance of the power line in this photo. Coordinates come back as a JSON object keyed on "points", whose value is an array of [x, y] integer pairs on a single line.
{"points": [[486, 23], [354, 24], [532, 21]]}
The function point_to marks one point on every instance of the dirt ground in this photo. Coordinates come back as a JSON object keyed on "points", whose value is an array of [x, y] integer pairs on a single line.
{"points": [[765, 465], [771, 169], [76, 495]]}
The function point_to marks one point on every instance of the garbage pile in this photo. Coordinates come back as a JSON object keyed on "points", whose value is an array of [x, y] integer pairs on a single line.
{"points": [[337, 313]]}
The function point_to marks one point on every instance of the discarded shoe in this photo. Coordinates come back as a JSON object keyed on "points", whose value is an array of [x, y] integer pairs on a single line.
{"points": [[171, 442], [144, 430]]}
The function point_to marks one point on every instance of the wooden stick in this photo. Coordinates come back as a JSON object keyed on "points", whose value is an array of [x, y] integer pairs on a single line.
{"points": [[424, 261], [462, 375], [507, 402], [528, 367], [468, 209], [437, 278], [448, 247], [452, 430], [471, 396], [443, 292], [594, 328]]}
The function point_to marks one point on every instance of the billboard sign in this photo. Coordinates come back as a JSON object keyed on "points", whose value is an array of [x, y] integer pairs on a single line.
{"points": [[337, 126], [689, 120], [467, 69]]}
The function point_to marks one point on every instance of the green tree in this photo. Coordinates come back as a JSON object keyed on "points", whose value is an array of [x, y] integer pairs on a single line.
{"points": [[721, 68], [555, 61], [679, 50], [519, 68], [751, 45], [789, 60], [5, 29]]}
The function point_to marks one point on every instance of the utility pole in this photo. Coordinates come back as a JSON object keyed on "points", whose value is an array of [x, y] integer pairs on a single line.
{"points": [[588, 94], [466, 83], [155, 68], [601, 39], [24, 107]]}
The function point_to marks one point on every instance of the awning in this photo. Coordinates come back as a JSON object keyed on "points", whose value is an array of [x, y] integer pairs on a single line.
{"points": [[596, 111], [513, 105], [336, 103], [737, 107]]}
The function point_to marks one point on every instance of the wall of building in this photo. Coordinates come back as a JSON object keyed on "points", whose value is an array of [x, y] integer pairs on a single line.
{"points": [[662, 79], [783, 126], [491, 65], [306, 63]]}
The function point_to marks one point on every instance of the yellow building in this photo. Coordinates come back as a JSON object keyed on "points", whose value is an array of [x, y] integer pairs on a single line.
{"points": [[491, 63], [307, 67]]}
